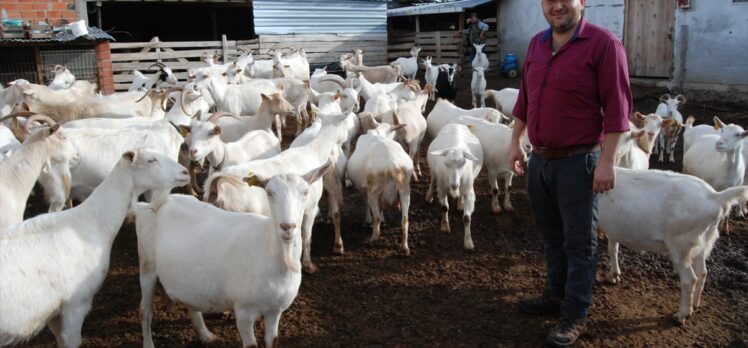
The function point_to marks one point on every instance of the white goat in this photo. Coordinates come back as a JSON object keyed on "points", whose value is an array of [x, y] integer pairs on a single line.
{"points": [[68, 252], [241, 99], [19, 172], [409, 65], [668, 108], [504, 99], [256, 273], [63, 78], [323, 82], [431, 72], [8, 142], [273, 104], [635, 146], [692, 133], [381, 170], [666, 212], [162, 75], [495, 141], [205, 143], [480, 60], [374, 74], [444, 112], [455, 158], [718, 159], [478, 87]]}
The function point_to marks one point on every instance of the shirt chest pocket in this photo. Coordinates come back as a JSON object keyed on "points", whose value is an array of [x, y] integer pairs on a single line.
{"points": [[577, 77]]}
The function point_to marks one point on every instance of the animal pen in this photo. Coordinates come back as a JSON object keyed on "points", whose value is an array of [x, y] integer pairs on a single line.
{"points": [[437, 29]]}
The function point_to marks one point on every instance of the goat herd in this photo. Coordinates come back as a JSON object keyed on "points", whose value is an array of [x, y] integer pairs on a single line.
{"points": [[242, 247]]}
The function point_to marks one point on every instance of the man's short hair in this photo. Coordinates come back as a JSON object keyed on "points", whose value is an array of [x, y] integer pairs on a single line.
{"points": [[473, 14]]}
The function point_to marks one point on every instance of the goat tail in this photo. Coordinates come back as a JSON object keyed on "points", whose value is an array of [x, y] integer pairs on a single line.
{"points": [[690, 121], [731, 196]]}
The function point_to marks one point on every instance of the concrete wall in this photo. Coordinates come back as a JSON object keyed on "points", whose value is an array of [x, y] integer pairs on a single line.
{"points": [[522, 19], [711, 39]]}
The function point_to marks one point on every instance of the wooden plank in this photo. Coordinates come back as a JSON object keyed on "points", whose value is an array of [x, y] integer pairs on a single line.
{"points": [[437, 41], [316, 38], [224, 49], [119, 57], [174, 44]]}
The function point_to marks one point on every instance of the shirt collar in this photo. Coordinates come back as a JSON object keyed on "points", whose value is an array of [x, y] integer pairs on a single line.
{"points": [[580, 33]]}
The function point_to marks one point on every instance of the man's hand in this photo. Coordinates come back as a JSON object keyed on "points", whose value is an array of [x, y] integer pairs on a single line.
{"points": [[517, 160], [604, 177]]}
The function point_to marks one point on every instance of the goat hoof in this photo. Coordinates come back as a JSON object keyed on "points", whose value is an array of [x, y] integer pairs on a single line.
{"points": [[680, 318], [613, 279], [469, 247], [338, 250], [445, 227], [508, 208], [496, 208], [310, 268], [209, 338], [404, 250]]}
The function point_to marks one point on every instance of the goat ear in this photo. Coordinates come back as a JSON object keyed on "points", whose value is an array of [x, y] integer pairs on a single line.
{"points": [[317, 173], [395, 120], [253, 180], [337, 96], [665, 97], [398, 127], [439, 153], [184, 130], [367, 121], [744, 134], [718, 123], [264, 97], [637, 135], [669, 122], [25, 107], [639, 116], [216, 130], [129, 155], [224, 74], [55, 127], [469, 156], [681, 99]]}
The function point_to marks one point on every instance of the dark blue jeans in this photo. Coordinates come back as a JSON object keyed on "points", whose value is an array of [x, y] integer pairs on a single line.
{"points": [[566, 215]]}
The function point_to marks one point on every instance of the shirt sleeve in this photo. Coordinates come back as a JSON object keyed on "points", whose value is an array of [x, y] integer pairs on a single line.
{"points": [[614, 88], [520, 108], [483, 26], [466, 31]]}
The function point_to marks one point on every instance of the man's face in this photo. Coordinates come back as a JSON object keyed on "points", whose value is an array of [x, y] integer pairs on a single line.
{"points": [[562, 15], [473, 19]]}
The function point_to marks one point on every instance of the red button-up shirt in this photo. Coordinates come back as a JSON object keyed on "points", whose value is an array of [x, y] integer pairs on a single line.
{"points": [[575, 96]]}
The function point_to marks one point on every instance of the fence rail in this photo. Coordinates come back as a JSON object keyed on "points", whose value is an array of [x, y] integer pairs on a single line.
{"points": [[184, 55], [443, 46]]}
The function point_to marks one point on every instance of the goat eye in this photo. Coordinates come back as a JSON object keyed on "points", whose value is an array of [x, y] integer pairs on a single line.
{"points": [[306, 193], [152, 161], [270, 194]]}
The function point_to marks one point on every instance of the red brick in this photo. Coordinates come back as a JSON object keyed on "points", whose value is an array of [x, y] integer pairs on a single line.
{"points": [[40, 6], [14, 14], [54, 14], [59, 6], [22, 6]]}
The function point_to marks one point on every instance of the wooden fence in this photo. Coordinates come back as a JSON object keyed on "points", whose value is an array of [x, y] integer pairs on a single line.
{"points": [[183, 55], [444, 47]]}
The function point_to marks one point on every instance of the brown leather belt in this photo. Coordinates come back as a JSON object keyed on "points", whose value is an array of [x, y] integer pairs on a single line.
{"points": [[550, 153]]}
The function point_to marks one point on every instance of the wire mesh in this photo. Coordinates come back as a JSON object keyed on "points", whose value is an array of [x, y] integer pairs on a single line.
{"points": [[17, 63], [80, 62]]}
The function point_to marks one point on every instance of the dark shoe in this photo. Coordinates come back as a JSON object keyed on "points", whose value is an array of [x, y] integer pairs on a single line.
{"points": [[546, 304], [566, 332]]}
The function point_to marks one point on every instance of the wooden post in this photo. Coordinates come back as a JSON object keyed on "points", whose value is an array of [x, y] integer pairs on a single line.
{"points": [[158, 49], [39, 66], [225, 47], [418, 24], [438, 42], [461, 44]]}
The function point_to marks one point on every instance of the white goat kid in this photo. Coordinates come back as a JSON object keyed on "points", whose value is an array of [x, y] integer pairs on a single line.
{"points": [[480, 60], [409, 65], [19, 172], [68, 252], [632, 214], [718, 159], [455, 158], [636, 146], [256, 274], [478, 86], [668, 108], [63, 78], [431, 72]]}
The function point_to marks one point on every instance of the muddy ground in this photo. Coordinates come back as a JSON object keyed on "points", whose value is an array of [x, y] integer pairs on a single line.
{"points": [[442, 296]]}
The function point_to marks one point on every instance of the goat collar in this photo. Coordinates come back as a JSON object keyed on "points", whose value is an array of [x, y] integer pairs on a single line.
{"points": [[218, 166]]}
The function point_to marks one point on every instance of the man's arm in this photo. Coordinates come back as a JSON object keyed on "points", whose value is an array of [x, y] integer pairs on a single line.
{"points": [[516, 152], [615, 97]]}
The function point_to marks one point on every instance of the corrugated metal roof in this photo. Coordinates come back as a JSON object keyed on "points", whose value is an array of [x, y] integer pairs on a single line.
{"points": [[318, 17], [94, 34], [443, 7]]}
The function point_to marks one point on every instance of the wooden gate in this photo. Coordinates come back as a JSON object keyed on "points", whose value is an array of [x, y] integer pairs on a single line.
{"points": [[648, 37]]}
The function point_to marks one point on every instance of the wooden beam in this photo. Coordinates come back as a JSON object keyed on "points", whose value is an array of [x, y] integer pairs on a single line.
{"points": [[225, 49], [460, 28], [418, 24]]}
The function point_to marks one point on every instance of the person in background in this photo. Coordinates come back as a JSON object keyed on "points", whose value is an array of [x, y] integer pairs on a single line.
{"points": [[574, 101], [476, 33]]}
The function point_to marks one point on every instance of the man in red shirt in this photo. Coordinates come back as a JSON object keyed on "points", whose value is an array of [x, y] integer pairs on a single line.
{"points": [[574, 102]]}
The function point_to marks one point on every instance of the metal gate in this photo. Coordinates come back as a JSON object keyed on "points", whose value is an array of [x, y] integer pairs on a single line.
{"points": [[17, 63], [80, 62]]}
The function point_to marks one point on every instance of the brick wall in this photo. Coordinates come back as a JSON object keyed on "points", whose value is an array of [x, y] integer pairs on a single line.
{"points": [[38, 10], [104, 58]]}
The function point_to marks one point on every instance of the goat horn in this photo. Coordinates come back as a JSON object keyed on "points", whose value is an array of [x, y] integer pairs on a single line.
{"points": [[243, 49], [147, 93], [218, 115], [166, 93], [158, 64], [181, 102], [38, 117], [17, 114]]}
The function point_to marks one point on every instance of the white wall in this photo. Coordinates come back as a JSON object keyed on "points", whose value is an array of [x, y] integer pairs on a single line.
{"points": [[522, 19]]}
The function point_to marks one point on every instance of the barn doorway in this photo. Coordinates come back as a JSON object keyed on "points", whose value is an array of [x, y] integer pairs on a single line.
{"points": [[648, 37], [129, 21]]}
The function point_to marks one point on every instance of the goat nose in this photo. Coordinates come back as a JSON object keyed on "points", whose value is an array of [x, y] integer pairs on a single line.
{"points": [[185, 172], [454, 186], [287, 227]]}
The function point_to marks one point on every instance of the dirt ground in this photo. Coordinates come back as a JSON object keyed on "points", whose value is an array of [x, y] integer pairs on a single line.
{"points": [[442, 296]]}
